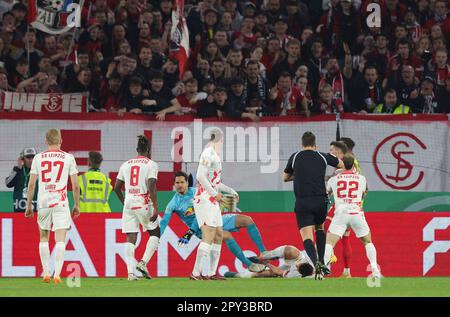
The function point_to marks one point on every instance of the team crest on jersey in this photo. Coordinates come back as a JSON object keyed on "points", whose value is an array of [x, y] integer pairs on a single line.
{"points": [[189, 211]]}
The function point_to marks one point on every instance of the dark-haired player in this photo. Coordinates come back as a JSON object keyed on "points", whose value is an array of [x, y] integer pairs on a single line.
{"points": [[296, 264], [348, 189], [140, 206]]}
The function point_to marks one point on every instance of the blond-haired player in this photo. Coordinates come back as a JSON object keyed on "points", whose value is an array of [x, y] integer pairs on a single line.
{"points": [[207, 209], [52, 168], [349, 189], [140, 205]]}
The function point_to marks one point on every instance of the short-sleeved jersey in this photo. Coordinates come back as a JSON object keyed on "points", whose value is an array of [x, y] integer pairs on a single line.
{"points": [[211, 160], [53, 168], [348, 189], [290, 267], [135, 173], [308, 168]]}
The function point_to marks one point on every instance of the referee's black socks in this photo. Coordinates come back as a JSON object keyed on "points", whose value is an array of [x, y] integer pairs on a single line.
{"points": [[310, 250], [320, 243]]}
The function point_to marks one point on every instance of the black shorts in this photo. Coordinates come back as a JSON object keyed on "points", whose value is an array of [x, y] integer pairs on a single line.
{"points": [[311, 211]]}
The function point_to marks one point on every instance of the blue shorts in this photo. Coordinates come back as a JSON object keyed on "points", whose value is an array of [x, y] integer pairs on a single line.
{"points": [[229, 224]]}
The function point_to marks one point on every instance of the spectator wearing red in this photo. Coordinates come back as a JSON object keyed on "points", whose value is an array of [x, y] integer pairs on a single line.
{"points": [[280, 31], [440, 69], [287, 99], [90, 39], [327, 102], [413, 26], [245, 39], [190, 99], [272, 54], [144, 38], [404, 56], [335, 78], [440, 16], [109, 94]]}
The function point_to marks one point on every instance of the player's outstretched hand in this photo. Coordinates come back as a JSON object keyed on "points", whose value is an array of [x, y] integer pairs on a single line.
{"points": [[29, 212], [75, 212], [184, 240]]}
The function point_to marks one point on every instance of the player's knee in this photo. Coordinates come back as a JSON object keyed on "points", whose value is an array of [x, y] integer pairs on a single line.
{"points": [[244, 221]]}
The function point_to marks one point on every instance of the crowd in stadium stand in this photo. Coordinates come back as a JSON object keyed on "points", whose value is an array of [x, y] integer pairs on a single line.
{"points": [[247, 58]]}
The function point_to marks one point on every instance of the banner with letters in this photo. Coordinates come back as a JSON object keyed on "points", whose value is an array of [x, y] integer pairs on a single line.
{"points": [[408, 244], [395, 153], [46, 103]]}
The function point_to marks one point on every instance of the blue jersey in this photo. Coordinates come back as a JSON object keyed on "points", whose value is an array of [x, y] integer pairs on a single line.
{"points": [[182, 206]]}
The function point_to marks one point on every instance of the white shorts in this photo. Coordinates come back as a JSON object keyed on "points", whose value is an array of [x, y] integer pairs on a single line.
{"points": [[342, 221], [207, 213], [59, 217], [131, 219]]}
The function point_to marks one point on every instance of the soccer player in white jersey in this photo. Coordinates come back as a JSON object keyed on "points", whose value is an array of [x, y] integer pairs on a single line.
{"points": [[140, 205], [52, 169], [207, 209], [296, 264], [349, 189]]}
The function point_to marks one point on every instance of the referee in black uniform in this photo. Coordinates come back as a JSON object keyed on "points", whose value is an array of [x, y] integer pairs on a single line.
{"points": [[307, 169]]}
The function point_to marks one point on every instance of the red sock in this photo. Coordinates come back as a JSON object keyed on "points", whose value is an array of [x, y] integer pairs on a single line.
{"points": [[347, 250]]}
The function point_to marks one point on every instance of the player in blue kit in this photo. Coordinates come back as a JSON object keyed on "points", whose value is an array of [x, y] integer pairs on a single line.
{"points": [[181, 204]]}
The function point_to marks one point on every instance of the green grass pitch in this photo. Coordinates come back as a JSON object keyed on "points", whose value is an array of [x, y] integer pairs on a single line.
{"points": [[182, 287]]}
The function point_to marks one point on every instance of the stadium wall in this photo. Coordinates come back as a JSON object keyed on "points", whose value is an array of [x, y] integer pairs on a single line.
{"points": [[404, 157], [408, 244]]}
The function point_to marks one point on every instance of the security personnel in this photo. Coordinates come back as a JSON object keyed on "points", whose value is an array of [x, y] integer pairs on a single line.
{"points": [[390, 104], [95, 187]]}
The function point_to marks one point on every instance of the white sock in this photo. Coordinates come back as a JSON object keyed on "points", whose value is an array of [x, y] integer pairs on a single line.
{"points": [[328, 254], [215, 257], [371, 253], [60, 248], [275, 253], [346, 271], [152, 245], [129, 257], [202, 259], [44, 252]]}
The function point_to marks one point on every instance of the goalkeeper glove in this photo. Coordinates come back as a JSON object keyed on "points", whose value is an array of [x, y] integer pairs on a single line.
{"points": [[184, 240]]}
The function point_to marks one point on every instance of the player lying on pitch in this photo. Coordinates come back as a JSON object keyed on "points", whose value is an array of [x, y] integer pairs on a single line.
{"points": [[348, 189], [296, 264], [181, 204]]}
